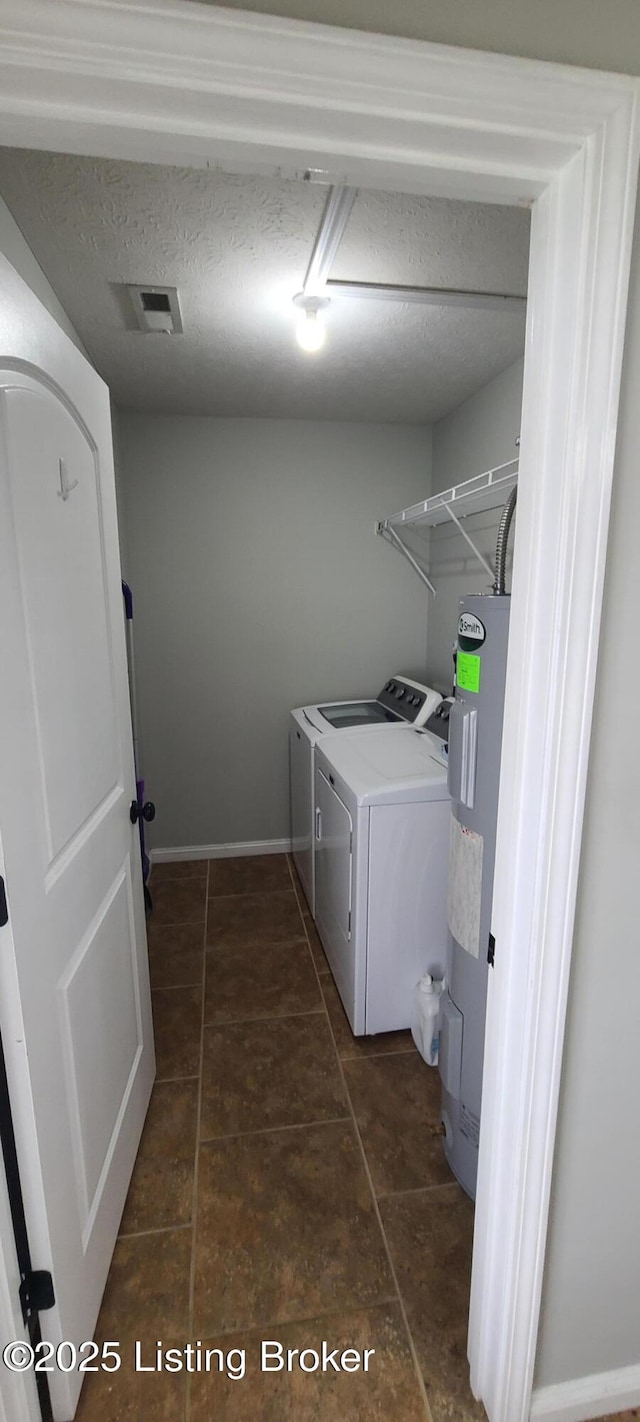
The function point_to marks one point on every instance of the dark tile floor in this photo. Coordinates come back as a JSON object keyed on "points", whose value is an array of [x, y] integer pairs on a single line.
{"points": [[290, 1184]]}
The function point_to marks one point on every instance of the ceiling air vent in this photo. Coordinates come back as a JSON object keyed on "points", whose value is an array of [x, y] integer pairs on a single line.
{"points": [[157, 309]]}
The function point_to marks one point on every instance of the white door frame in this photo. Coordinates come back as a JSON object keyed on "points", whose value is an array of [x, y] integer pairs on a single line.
{"points": [[162, 81], [18, 1393]]}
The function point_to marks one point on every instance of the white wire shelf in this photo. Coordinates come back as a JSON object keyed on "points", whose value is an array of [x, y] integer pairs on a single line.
{"points": [[480, 494]]}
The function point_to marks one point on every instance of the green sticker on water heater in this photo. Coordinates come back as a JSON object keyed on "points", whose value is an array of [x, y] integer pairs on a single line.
{"points": [[468, 671]]}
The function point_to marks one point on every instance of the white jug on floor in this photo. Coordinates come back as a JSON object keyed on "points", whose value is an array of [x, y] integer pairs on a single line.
{"points": [[425, 1028]]}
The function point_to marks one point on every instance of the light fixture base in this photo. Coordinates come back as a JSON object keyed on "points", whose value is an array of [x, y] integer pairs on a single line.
{"points": [[311, 303]]}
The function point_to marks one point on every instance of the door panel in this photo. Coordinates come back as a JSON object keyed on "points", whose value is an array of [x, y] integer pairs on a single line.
{"points": [[408, 864], [100, 1022], [53, 473], [301, 783], [73, 968], [334, 877]]}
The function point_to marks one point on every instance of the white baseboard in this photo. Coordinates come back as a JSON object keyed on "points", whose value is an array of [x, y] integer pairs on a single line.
{"points": [[220, 851], [584, 1398]]}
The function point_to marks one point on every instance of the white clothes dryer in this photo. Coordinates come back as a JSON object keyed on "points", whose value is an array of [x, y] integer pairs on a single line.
{"points": [[401, 702], [382, 814]]}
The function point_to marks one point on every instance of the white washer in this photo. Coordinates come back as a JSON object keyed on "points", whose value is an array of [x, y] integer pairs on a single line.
{"points": [[401, 702], [381, 854]]}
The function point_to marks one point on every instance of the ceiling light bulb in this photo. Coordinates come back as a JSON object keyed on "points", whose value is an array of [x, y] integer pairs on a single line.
{"points": [[310, 331]]}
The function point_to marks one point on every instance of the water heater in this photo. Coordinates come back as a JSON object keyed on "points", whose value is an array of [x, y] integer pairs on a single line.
{"points": [[475, 737]]}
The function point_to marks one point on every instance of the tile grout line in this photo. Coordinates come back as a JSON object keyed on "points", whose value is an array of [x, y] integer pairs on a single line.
{"points": [[268, 1017], [165, 1080], [375, 1056], [179, 923], [194, 1198], [258, 942], [238, 894], [144, 1233], [271, 1130], [419, 1190], [250, 894], [403, 1311], [322, 1314], [177, 987]]}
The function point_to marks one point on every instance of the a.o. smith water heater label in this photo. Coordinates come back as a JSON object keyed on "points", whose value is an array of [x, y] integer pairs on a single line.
{"points": [[471, 632], [464, 893]]}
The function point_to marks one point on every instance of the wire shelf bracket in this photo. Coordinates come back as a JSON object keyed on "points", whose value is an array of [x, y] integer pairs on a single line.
{"points": [[480, 494]]}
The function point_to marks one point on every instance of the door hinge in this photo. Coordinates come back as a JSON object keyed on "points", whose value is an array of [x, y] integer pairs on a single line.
{"points": [[491, 951], [36, 1292], [4, 911]]}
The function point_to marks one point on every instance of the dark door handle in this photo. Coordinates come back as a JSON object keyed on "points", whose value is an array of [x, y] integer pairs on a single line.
{"points": [[148, 811]]}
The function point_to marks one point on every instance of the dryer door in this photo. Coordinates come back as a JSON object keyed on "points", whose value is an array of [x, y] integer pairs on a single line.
{"points": [[334, 874]]}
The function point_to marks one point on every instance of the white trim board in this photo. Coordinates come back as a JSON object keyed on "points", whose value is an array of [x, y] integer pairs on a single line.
{"points": [[156, 81], [584, 1398], [151, 80], [220, 851], [18, 1395]]}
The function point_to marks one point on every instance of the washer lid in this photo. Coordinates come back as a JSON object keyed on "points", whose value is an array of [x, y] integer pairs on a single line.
{"points": [[349, 716], [344, 715], [386, 766]]}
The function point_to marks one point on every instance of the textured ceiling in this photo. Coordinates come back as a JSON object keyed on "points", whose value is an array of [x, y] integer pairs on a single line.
{"points": [[237, 248]]}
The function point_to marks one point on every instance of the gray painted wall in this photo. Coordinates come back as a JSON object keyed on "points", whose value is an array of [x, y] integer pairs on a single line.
{"points": [[566, 31], [117, 465], [478, 435], [18, 252], [259, 585]]}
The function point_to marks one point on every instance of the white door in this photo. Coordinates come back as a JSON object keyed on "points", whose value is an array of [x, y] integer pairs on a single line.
{"points": [[334, 877], [75, 1013]]}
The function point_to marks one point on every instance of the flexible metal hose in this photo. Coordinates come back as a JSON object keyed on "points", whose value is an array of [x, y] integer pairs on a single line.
{"points": [[502, 541]]}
